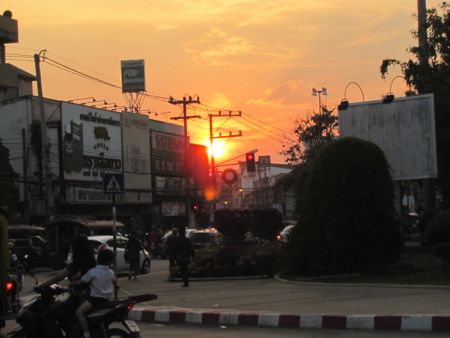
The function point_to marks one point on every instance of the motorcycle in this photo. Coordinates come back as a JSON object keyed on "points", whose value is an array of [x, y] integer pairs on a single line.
{"points": [[38, 318]]}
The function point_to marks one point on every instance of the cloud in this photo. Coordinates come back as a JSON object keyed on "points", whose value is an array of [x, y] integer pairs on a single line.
{"points": [[217, 47], [218, 99], [290, 93]]}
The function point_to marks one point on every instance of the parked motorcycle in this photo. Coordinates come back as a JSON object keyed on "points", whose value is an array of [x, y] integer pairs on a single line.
{"points": [[38, 318]]}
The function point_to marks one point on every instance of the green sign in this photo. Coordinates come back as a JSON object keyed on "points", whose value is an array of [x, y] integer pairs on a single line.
{"points": [[133, 76]]}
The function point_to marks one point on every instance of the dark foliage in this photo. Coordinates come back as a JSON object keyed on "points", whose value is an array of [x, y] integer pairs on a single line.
{"points": [[266, 223], [262, 223], [438, 229], [311, 133], [347, 216], [259, 258], [232, 223]]}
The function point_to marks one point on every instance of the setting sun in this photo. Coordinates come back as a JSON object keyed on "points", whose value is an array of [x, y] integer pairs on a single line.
{"points": [[219, 149]]}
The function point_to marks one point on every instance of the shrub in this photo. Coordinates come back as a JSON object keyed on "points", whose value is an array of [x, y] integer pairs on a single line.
{"points": [[231, 223], [266, 223], [442, 250], [258, 258], [425, 218], [348, 220], [438, 229]]}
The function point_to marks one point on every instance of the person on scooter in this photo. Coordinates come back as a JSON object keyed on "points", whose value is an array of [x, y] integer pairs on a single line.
{"points": [[101, 281], [83, 259]]}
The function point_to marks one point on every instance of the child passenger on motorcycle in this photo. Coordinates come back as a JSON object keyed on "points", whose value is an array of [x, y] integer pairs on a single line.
{"points": [[101, 280]]}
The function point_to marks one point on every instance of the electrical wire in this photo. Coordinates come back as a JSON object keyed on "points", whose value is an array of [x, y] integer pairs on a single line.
{"points": [[259, 130]]}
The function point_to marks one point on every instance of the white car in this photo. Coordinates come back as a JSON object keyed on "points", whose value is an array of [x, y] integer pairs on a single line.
{"points": [[107, 242]]}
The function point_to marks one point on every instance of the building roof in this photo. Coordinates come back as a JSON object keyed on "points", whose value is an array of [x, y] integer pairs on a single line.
{"points": [[9, 75]]}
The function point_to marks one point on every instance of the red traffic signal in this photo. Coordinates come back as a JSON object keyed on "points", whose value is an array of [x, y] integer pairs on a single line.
{"points": [[250, 162]]}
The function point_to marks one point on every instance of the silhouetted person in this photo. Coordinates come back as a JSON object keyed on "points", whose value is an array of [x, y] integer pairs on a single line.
{"points": [[184, 251], [132, 255], [171, 249]]}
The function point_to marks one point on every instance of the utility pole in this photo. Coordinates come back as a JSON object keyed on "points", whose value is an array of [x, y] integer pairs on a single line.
{"points": [[429, 193], [47, 193], [422, 29], [213, 168], [212, 137], [185, 102]]}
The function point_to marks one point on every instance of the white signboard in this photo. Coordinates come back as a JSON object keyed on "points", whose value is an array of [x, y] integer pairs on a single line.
{"points": [[136, 156], [404, 129], [78, 195], [92, 143]]}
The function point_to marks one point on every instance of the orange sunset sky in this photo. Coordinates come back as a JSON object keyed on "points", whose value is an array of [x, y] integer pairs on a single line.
{"points": [[260, 57]]}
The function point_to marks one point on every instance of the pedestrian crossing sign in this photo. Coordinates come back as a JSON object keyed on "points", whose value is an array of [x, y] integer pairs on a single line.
{"points": [[113, 183]]}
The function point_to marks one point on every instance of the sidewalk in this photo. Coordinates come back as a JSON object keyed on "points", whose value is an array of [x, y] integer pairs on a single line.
{"points": [[277, 303]]}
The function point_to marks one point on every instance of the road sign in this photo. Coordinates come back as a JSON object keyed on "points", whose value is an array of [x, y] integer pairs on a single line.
{"points": [[113, 183], [229, 176]]}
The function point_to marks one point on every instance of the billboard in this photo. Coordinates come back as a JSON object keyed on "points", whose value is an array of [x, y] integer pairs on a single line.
{"points": [[133, 76], [136, 155], [167, 153], [404, 129], [92, 142]]}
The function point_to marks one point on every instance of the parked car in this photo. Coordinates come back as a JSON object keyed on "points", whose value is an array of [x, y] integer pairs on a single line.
{"points": [[98, 243], [285, 234], [206, 237]]}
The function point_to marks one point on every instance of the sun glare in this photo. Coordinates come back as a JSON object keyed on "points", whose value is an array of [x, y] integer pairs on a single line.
{"points": [[219, 149]]}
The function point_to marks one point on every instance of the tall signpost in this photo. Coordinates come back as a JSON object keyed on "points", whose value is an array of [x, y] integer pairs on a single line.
{"points": [[133, 83], [113, 184]]}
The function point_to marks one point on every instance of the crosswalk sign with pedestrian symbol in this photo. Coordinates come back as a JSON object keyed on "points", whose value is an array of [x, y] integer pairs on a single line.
{"points": [[113, 183]]}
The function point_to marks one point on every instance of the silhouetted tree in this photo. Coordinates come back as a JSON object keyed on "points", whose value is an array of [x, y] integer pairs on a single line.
{"points": [[347, 215], [311, 133]]}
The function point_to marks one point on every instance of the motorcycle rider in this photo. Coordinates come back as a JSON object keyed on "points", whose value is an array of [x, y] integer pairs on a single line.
{"points": [[83, 259], [101, 281]]}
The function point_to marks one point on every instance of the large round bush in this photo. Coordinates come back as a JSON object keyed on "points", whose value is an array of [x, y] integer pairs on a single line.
{"points": [[347, 216], [438, 229]]}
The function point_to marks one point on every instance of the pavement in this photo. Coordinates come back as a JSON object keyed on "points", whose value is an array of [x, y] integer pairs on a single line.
{"points": [[274, 302], [282, 303]]}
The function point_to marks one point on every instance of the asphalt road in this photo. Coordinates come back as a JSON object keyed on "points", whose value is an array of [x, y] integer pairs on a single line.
{"points": [[268, 295], [202, 331]]}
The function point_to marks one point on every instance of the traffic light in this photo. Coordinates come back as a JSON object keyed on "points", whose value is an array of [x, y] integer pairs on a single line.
{"points": [[195, 207], [250, 162]]}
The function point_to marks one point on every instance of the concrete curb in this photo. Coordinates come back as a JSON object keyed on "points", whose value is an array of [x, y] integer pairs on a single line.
{"points": [[423, 323]]}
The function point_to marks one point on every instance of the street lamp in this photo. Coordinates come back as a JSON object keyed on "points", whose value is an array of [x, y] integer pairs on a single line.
{"points": [[89, 99], [344, 102], [389, 97], [319, 92]]}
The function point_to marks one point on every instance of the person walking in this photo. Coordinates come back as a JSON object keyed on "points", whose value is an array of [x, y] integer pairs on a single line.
{"points": [[132, 255], [184, 251]]}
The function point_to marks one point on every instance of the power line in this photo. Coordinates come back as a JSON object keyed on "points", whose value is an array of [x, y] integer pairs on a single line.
{"points": [[260, 130]]}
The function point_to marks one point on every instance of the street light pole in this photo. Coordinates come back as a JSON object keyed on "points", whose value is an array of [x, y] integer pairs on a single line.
{"points": [[319, 92]]}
